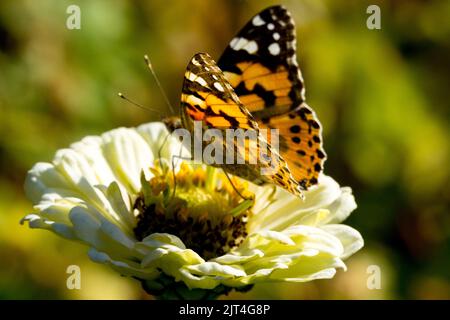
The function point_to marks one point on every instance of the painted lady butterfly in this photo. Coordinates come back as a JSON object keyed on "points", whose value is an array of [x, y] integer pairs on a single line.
{"points": [[257, 84]]}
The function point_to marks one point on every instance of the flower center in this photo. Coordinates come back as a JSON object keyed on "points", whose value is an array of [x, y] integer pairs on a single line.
{"points": [[202, 207]]}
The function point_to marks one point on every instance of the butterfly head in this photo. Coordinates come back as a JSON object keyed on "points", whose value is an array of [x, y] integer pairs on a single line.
{"points": [[172, 123]]}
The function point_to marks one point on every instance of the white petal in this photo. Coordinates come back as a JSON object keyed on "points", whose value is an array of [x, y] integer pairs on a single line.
{"points": [[277, 236], [163, 143], [158, 138], [113, 233], [308, 268], [309, 252], [193, 281], [120, 205], [153, 256], [216, 269], [61, 229], [80, 177], [76, 169], [314, 218], [40, 179], [341, 208], [315, 238], [239, 257], [349, 237], [321, 274], [85, 225], [124, 267], [91, 228], [128, 154], [158, 239], [288, 210], [56, 208], [90, 149]]}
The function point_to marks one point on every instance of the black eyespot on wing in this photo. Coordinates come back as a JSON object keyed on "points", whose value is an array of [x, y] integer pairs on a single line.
{"points": [[295, 129], [320, 154]]}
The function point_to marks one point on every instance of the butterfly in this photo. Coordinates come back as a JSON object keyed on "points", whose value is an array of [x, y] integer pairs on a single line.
{"points": [[257, 84]]}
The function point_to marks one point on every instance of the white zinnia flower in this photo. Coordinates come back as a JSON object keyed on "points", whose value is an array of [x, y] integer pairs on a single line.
{"points": [[115, 193]]}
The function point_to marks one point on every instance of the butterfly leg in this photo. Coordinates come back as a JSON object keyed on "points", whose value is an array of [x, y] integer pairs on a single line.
{"points": [[162, 146], [173, 169], [234, 187]]}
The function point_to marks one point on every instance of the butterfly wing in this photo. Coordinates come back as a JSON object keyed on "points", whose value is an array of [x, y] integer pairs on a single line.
{"points": [[261, 65], [209, 98], [300, 143]]}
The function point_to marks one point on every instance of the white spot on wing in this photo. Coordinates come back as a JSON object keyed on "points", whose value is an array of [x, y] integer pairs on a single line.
{"points": [[291, 60], [274, 49], [251, 47], [218, 86], [201, 81], [190, 76], [195, 78], [276, 36], [243, 44], [193, 100], [270, 26], [238, 43], [257, 21], [195, 62], [234, 42]]}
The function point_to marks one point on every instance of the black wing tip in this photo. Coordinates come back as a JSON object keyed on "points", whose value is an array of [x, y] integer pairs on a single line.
{"points": [[202, 59]]}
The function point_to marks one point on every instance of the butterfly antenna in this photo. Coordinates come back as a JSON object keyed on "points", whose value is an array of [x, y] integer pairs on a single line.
{"points": [[137, 104], [149, 65]]}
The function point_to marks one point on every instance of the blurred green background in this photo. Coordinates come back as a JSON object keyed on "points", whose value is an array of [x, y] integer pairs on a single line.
{"points": [[382, 97]]}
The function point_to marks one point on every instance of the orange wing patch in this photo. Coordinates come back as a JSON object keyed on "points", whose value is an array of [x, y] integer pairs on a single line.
{"points": [[269, 83], [259, 85], [261, 64], [208, 97], [300, 137]]}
